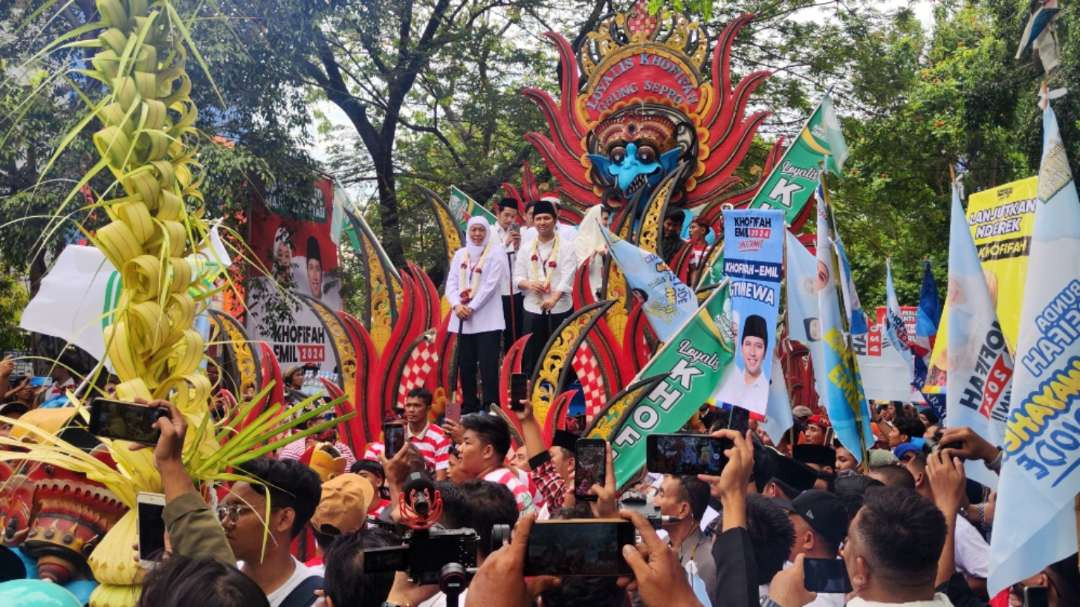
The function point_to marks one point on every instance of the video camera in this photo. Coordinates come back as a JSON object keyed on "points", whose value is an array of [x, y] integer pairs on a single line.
{"points": [[428, 553]]}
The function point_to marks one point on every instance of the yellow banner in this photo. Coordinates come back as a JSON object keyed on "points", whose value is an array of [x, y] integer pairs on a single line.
{"points": [[1000, 220]]}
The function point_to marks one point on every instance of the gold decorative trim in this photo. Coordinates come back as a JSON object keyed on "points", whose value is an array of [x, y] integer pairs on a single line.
{"points": [[558, 354]]}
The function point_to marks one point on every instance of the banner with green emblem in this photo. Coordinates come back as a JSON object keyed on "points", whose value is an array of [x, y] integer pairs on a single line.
{"points": [[692, 364]]}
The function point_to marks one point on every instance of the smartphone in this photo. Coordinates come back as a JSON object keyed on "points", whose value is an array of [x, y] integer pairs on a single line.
{"points": [[393, 438], [685, 453], [151, 522], [826, 575], [590, 547], [453, 409], [589, 466], [739, 420], [797, 474], [125, 421], [1036, 596], [39, 381], [519, 383]]}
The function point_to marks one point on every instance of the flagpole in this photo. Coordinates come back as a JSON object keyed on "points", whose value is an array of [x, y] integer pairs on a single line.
{"points": [[845, 323]]}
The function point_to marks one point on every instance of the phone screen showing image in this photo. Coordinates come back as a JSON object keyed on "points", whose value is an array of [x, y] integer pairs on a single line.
{"points": [[685, 454], [124, 421], [578, 547], [589, 466]]}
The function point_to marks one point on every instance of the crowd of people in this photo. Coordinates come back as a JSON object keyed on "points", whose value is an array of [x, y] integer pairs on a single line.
{"points": [[804, 521], [906, 528]]}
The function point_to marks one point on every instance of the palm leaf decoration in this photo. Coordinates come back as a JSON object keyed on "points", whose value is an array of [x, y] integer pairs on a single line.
{"points": [[145, 136]]}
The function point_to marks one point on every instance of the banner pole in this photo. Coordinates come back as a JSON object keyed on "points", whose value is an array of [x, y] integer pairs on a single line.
{"points": [[845, 323], [513, 319]]}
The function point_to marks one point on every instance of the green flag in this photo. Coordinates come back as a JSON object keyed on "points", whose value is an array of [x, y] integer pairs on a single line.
{"points": [[795, 177], [693, 363], [464, 208]]}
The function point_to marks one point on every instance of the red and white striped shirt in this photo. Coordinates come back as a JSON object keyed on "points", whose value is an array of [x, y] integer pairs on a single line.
{"points": [[522, 496], [432, 443]]}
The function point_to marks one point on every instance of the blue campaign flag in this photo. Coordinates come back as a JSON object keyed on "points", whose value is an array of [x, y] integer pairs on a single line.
{"points": [[857, 318], [929, 312], [778, 417], [668, 303], [753, 258], [980, 369], [895, 329], [834, 364], [1035, 524], [802, 288]]}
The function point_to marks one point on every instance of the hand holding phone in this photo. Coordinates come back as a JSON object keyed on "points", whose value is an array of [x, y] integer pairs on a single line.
{"points": [[589, 467], [393, 438], [519, 386], [684, 454], [151, 525], [125, 421], [826, 575], [590, 547]]}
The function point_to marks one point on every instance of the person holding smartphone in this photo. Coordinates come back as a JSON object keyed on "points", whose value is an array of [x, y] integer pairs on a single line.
{"points": [[684, 499]]}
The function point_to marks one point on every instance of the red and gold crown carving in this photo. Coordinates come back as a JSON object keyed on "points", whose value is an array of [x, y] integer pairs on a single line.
{"points": [[652, 128]]}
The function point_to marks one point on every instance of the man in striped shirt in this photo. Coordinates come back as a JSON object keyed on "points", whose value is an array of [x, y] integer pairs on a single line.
{"points": [[429, 439], [483, 449]]}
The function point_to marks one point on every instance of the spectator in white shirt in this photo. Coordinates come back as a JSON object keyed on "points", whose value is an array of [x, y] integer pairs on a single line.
{"points": [[972, 553], [508, 233]]}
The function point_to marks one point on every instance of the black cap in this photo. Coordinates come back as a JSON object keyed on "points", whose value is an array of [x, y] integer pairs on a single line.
{"points": [[755, 327], [815, 454], [566, 440], [825, 514], [676, 214], [544, 206], [508, 203], [367, 465], [13, 407]]}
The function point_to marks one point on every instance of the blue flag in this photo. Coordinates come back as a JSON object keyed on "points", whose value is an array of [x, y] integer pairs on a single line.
{"points": [[895, 329], [1035, 524], [668, 302], [929, 314], [778, 417], [835, 370], [857, 318], [980, 368], [802, 288]]}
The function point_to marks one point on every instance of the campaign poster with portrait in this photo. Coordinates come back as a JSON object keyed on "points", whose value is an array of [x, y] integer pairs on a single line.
{"points": [[753, 258], [297, 245]]}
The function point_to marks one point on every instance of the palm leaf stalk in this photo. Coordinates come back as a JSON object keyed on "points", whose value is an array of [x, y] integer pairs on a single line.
{"points": [[146, 139]]}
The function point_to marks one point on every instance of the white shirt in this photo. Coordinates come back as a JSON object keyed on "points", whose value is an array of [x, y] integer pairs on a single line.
{"points": [[485, 303], [439, 600], [562, 275], [939, 600], [736, 391], [971, 552], [502, 236], [300, 573]]}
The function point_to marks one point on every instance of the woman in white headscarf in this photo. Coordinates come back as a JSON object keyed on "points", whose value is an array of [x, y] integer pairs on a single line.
{"points": [[473, 285]]}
